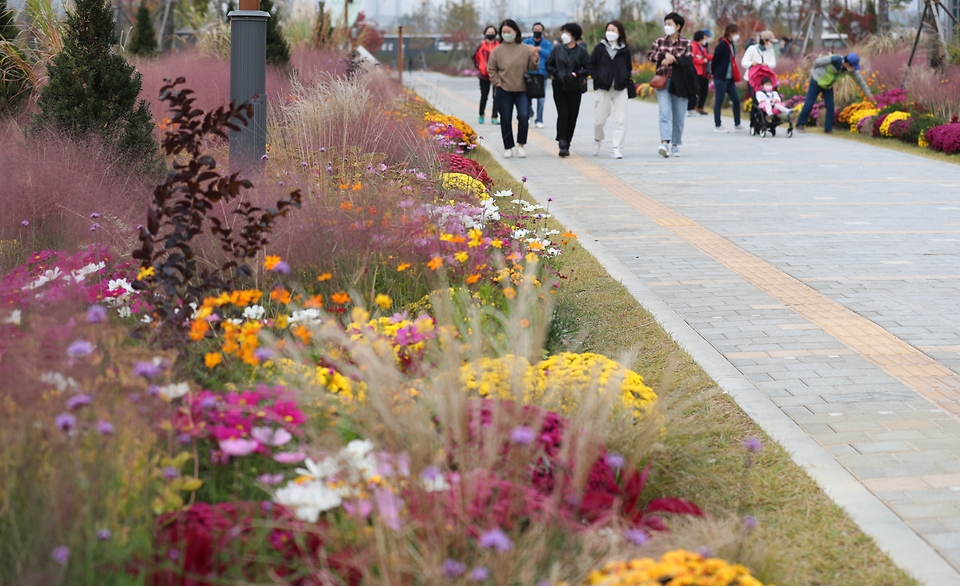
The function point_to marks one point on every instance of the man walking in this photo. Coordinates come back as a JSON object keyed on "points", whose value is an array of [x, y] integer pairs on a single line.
{"points": [[545, 47]]}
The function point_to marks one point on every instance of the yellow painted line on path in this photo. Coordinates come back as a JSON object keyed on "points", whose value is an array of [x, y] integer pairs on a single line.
{"points": [[932, 380]]}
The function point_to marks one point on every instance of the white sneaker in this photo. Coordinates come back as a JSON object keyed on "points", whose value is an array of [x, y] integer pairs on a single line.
{"points": [[616, 154], [664, 150], [692, 114], [539, 124], [508, 154], [596, 148], [675, 152], [739, 128], [720, 129], [520, 152]]}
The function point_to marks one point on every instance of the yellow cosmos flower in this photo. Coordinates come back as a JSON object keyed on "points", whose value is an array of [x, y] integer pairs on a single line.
{"points": [[212, 359], [383, 301]]}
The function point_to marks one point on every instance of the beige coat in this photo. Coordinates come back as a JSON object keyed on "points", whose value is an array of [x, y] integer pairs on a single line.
{"points": [[508, 63]]}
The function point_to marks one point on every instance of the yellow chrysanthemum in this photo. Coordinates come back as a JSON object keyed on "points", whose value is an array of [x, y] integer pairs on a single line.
{"points": [[674, 568], [890, 119], [465, 183]]}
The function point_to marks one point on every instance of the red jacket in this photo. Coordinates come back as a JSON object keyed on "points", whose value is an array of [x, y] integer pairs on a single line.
{"points": [[481, 56], [700, 59]]}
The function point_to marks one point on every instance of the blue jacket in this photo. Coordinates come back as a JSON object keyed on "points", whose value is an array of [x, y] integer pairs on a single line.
{"points": [[546, 47]]}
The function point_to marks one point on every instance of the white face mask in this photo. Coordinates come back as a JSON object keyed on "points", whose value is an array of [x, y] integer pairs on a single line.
{"points": [[768, 88], [735, 38], [612, 36], [669, 30], [509, 37], [565, 38]]}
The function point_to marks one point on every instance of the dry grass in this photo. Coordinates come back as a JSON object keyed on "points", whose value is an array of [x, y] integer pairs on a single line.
{"points": [[810, 540], [892, 144]]}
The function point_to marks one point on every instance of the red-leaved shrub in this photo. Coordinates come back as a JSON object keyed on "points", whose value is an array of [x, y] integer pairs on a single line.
{"points": [[945, 138]]}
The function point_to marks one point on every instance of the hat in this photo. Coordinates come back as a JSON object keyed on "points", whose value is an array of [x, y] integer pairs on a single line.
{"points": [[706, 32], [853, 59], [768, 36]]}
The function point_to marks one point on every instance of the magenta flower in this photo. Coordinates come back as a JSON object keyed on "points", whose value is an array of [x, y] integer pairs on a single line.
{"points": [[79, 349], [289, 457], [479, 574], [453, 569], [496, 539], [238, 447], [77, 401], [65, 422], [173, 554], [614, 460], [523, 435], [96, 314], [61, 554], [636, 536], [104, 427], [752, 444]]}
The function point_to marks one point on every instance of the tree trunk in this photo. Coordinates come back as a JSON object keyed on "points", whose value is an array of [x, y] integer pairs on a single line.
{"points": [[883, 16], [817, 9]]}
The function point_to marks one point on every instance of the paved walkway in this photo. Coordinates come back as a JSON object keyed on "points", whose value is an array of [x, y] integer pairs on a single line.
{"points": [[817, 280]]}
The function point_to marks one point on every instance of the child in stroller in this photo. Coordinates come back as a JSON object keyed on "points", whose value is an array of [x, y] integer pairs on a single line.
{"points": [[768, 109]]}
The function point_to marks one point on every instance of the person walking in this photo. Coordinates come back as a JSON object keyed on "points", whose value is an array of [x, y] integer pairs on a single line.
{"points": [[760, 53], [826, 71], [545, 47], [610, 68], [506, 66], [672, 53], [566, 66], [480, 58], [726, 74], [701, 62]]}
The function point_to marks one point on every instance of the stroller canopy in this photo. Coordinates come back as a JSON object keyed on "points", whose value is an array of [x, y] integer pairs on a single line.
{"points": [[758, 72]]}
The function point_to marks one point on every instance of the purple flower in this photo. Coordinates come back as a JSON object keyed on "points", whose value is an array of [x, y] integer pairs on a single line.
{"points": [[636, 536], [65, 422], [170, 472], [61, 554], [271, 479], [264, 157], [94, 216], [79, 348], [752, 444], [104, 534], [25, 224], [750, 522], [523, 435], [78, 401], [705, 551], [96, 314], [146, 369], [104, 427], [303, 163], [174, 554], [614, 460], [479, 574], [430, 473], [94, 227], [208, 403], [184, 438], [523, 179], [263, 353], [496, 539], [282, 267], [323, 149], [453, 569]]}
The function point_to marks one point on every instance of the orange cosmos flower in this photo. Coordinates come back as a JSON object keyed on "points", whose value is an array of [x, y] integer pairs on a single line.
{"points": [[324, 277], [212, 359], [271, 262], [280, 295], [340, 297], [346, 206], [435, 263], [473, 279], [303, 333], [315, 302], [509, 292], [402, 267]]}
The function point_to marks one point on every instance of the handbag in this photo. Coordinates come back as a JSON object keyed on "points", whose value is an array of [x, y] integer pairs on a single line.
{"points": [[631, 90], [659, 82], [535, 83]]}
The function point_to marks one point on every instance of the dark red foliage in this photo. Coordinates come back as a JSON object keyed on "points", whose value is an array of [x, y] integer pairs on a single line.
{"points": [[877, 123], [945, 138], [898, 128], [455, 163]]}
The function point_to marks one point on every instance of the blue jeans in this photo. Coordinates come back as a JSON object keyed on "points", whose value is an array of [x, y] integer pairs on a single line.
{"points": [[812, 93], [721, 89], [673, 112], [540, 102], [506, 101]]}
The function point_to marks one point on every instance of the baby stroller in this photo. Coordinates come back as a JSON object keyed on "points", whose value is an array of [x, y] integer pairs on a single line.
{"points": [[760, 122]]}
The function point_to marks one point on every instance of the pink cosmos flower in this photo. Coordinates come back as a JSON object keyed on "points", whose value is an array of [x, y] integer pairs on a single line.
{"points": [[289, 457], [271, 437], [239, 447]]}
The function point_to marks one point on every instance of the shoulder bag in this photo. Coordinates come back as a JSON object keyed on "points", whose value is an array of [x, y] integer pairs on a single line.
{"points": [[535, 83]]}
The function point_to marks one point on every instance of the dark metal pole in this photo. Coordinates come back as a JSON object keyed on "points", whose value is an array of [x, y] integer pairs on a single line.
{"points": [[916, 41], [248, 81], [400, 53]]}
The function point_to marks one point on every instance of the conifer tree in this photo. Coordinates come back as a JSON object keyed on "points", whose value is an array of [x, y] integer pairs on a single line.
{"points": [[278, 51], [8, 30], [144, 41], [92, 90]]}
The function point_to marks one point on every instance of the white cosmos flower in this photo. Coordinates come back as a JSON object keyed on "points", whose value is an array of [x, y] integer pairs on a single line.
{"points": [[14, 318], [504, 193], [174, 391], [81, 273], [58, 381], [308, 499], [254, 312], [307, 316], [520, 233], [45, 277], [319, 470], [124, 311]]}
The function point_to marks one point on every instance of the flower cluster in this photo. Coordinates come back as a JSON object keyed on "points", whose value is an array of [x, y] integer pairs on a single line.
{"points": [[860, 114], [456, 163], [264, 420], [674, 568], [896, 95], [890, 119], [452, 133], [565, 376], [851, 114], [464, 183], [945, 138]]}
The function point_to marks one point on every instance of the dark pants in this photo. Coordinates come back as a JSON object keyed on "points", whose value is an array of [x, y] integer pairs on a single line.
{"points": [[485, 88], [813, 92], [568, 108], [703, 86], [506, 102], [723, 88]]}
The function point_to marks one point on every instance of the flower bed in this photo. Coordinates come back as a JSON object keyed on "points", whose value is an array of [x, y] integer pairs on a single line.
{"points": [[674, 568], [944, 138]]}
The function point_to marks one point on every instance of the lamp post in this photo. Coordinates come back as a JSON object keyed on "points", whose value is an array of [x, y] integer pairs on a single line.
{"points": [[248, 80]]}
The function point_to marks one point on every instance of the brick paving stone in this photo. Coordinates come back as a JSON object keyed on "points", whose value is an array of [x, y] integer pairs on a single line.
{"points": [[900, 271]]}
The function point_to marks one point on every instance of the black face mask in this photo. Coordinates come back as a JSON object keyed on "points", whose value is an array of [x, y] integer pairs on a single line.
{"points": [[491, 37], [537, 35]]}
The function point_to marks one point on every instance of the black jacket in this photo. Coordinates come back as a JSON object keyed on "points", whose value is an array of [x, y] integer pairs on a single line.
{"points": [[563, 62], [683, 78], [722, 57], [609, 73]]}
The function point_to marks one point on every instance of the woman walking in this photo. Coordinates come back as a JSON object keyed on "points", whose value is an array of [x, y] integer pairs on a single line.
{"points": [[760, 53], [701, 61], [610, 69], [507, 64], [725, 77], [671, 53], [566, 66], [480, 58]]}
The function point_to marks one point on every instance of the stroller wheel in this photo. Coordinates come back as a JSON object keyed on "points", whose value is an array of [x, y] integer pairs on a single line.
{"points": [[763, 133], [753, 130], [789, 133]]}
